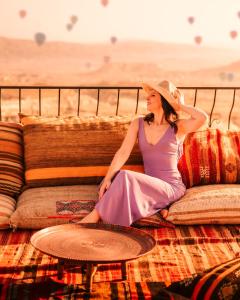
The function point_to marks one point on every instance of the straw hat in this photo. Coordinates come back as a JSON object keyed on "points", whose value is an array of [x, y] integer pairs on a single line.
{"points": [[167, 89]]}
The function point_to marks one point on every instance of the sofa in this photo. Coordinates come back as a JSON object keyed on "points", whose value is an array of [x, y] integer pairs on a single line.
{"points": [[50, 171]]}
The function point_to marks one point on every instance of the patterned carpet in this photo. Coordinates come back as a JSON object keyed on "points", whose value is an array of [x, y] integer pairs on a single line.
{"points": [[25, 273]]}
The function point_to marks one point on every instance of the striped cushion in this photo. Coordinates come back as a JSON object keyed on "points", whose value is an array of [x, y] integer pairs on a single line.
{"points": [[208, 204], [73, 150], [221, 282], [229, 157], [11, 158], [210, 156], [7, 207]]}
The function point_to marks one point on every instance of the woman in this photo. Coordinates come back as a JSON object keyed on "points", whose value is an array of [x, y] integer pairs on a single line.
{"points": [[132, 195]]}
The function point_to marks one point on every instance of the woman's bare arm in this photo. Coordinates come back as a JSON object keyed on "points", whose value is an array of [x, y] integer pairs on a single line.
{"points": [[124, 151]]}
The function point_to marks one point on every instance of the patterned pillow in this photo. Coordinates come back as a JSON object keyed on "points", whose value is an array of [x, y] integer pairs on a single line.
{"points": [[210, 156], [73, 150], [229, 157], [48, 206], [7, 207], [208, 204], [11, 159], [220, 282]]}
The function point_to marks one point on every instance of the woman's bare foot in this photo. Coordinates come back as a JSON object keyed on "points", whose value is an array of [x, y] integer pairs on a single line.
{"points": [[93, 217], [164, 213]]}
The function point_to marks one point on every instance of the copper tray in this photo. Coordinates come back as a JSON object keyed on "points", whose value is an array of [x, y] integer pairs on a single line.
{"points": [[93, 242]]}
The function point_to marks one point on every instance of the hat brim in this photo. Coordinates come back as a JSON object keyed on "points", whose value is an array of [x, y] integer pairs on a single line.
{"points": [[163, 92]]}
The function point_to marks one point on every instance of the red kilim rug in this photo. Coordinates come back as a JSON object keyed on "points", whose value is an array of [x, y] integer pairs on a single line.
{"points": [[25, 273]]}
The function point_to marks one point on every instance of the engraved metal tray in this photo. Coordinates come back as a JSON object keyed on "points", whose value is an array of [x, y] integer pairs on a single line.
{"points": [[93, 242]]}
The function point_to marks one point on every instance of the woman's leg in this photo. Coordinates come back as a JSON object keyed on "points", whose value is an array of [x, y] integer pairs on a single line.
{"points": [[93, 217]]}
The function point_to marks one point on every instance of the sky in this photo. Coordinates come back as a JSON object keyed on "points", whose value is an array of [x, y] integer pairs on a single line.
{"points": [[155, 20]]}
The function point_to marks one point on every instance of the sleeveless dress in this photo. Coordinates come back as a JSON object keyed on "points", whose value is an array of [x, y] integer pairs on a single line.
{"points": [[133, 195]]}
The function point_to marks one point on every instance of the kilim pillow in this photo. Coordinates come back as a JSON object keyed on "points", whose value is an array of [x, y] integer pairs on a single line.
{"points": [[48, 206], [11, 158], [208, 204], [229, 157], [210, 156], [7, 207], [199, 162], [73, 150], [221, 282]]}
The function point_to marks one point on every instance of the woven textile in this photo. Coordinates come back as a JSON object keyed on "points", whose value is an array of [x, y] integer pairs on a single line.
{"points": [[221, 282], [7, 207], [11, 158], [73, 150], [26, 273], [48, 206], [208, 204], [210, 156]]}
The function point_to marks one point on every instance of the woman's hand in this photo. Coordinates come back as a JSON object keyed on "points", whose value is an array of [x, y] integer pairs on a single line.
{"points": [[103, 188], [180, 99]]}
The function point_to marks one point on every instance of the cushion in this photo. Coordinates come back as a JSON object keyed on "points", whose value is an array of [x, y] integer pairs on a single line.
{"points": [[220, 282], [48, 206], [73, 150], [7, 207], [208, 204], [210, 156], [11, 159]]}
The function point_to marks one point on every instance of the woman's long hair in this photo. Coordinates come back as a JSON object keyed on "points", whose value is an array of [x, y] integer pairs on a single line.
{"points": [[170, 114]]}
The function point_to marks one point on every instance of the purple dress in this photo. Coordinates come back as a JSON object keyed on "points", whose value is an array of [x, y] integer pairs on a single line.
{"points": [[133, 195]]}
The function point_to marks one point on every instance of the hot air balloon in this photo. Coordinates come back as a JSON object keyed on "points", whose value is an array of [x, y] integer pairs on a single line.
{"points": [[198, 39], [230, 76], [22, 13], [233, 34], [74, 19], [191, 20], [88, 65], [238, 14], [104, 2], [113, 39], [222, 75], [40, 38], [106, 59], [69, 27]]}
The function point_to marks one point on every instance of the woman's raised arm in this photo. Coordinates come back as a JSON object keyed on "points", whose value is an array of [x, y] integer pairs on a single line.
{"points": [[197, 119]]}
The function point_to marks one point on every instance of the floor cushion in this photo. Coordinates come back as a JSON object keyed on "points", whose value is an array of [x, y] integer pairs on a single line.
{"points": [[7, 207], [48, 206], [207, 204]]}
